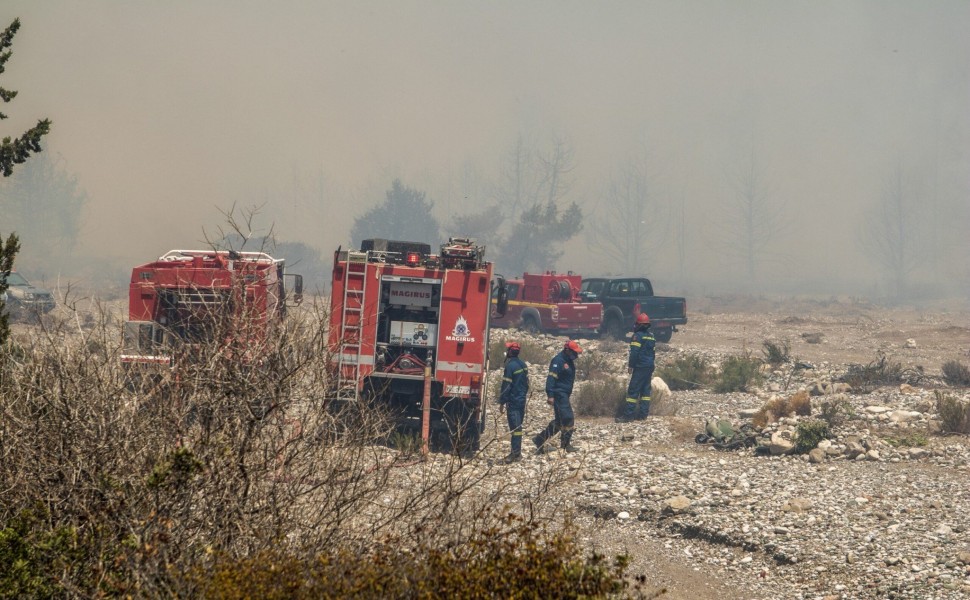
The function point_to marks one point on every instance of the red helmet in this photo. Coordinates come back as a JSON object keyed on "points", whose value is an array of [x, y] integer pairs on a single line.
{"points": [[573, 345], [643, 319], [513, 346]]}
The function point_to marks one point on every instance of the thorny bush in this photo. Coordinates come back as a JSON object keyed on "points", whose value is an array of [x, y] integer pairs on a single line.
{"points": [[882, 371], [776, 353], [956, 373], [112, 486]]}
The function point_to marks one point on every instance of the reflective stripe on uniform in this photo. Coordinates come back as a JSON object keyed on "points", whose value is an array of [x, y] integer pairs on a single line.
{"points": [[517, 432], [567, 427], [551, 374], [517, 372], [637, 344], [647, 398], [634, 400], [509, 379]]}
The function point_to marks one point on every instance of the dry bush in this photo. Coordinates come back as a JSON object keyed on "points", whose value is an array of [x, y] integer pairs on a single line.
{"points": [[776, 353], [687, 372], [770, 412], [594, 365], [800, 403], [954, 413], [956, 373], [111, 491], [550, 561], [882, 371], [600, 398]]}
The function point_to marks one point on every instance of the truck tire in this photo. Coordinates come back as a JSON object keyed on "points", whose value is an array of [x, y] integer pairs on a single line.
{"points": [[663, 334], [613, 327], [530, 324]]}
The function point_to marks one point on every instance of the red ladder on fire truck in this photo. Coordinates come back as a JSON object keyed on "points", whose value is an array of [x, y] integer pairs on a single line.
{"points": [[351, 323]]}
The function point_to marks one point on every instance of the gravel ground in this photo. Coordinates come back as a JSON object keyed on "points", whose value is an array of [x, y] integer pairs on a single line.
{"points": [[883, 513]]}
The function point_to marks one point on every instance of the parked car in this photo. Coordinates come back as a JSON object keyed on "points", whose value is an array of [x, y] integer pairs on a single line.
{"points": [[23, 298], [623, 298]]}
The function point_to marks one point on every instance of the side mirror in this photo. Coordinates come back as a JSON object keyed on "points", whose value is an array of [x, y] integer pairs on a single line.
{"points": [[296, 289], [501, 296]]}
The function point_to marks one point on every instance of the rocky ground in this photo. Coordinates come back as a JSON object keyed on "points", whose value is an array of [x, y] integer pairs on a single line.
{"points": [[882, 510]]}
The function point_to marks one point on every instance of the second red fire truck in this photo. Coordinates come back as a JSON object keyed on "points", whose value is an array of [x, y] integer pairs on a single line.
{"points": [[409, 331], [550, 303]]}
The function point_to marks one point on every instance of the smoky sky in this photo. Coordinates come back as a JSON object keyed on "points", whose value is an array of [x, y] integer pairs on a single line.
{"points": [[171, 112]]}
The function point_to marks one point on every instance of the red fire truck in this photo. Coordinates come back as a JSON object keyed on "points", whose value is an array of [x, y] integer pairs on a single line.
{"points": [[549, 303], [409, 332], [188, 297]]}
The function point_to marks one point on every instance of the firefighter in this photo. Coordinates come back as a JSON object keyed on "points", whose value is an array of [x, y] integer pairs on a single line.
{"points": [[640, 369], [559, 385], [515, 388]]}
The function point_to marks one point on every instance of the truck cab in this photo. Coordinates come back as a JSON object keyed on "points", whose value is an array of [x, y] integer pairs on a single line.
{"points": [[623, 298]]}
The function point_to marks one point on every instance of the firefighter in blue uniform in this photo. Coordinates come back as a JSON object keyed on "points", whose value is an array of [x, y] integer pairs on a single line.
{"points": [[640, 365], [515, 388], [559, 386]]}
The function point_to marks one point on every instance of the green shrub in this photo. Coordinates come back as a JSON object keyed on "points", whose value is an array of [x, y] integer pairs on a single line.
{"points": [[956, 373], [808, 434], [738, 373], [912, 439], [600, 398], [776, 353], [954, 413], [687, 372]]}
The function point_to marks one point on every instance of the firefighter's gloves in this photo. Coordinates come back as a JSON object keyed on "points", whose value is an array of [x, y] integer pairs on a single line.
{"points": [[551, 400]]}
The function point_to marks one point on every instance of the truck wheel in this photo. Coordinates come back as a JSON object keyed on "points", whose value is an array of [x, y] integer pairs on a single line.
{"points": [[614, 328], [530, 325], [663, 334]]}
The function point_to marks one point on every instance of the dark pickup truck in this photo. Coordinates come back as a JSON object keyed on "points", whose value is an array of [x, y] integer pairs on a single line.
{"points": [[623, 298]]}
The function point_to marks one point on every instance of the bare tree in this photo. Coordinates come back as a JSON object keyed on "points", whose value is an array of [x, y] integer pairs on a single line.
{"points": [[534, 183], [518, 184], [892, 230], [629, 224], [753, 218]]}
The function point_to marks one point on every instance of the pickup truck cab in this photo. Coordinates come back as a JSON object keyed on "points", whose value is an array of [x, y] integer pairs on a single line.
{"points": [[25, 299], [623, 298], [548, 303]]}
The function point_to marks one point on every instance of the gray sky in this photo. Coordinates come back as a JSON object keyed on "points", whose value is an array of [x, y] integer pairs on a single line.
{"points": [[170, 111]]}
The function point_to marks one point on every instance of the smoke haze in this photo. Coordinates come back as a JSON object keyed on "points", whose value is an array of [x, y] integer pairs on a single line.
{"points": [[170, 113]]}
